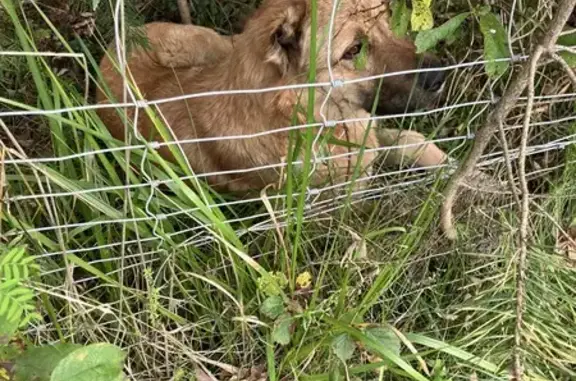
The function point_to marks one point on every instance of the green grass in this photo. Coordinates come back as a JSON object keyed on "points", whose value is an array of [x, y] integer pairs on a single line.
{"points": [[173, 303]]}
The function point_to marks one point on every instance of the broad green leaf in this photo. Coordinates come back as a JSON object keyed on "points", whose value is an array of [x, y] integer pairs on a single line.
{"points": [[427, 39], [400, 19], [570, 41], [281, 331], [343, 346], [9, 353], [96, 362], [37, 363], [495, 44], [272, 307], [375, 346], [385, 337], [422, 18]]}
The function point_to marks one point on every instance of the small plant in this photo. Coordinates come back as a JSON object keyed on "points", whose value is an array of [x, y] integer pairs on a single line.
{"points": [[496, 52], [17, 307], [22, 360]]}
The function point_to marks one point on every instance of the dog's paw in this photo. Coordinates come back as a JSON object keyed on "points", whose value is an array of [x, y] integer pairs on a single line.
{"points": [[410, 148]]}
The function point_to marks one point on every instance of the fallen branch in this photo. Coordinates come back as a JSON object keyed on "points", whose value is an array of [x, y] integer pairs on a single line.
{"points": [[498, 115]]}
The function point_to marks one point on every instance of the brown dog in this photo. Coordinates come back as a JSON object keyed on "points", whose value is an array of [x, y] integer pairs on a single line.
{"points": [[274, 50]]}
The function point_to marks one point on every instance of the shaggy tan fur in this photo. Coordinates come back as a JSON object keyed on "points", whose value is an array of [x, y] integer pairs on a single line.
{"points": [[273, 50]]}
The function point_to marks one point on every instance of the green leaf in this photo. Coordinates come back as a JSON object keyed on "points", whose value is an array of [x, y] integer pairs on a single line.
{"points": [[454, 351], [495, 44], [342, 143], [15, 312], [375, 346], [570, 41], [422, 18], [281, 331], [28, 318], [427, 39], [12, 256], [343, 346], [96, 362], [272, 284], [362, 58], [386, 337], [4, 304], [400, 19], [570, 58], [8, 284], [37, 363], [272, 307], [7, 329], [9, 353], [335, 375]]}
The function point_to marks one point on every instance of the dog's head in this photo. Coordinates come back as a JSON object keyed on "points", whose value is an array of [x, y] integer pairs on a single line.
{"points": [[405, 92], [362, 45]]}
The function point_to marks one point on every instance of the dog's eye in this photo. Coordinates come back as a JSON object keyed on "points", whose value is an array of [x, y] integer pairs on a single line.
{"points": [[353, 51]]}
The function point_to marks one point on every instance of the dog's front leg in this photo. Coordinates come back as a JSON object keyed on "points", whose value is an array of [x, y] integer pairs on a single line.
{"points": [[412, 149], [409, 148]]}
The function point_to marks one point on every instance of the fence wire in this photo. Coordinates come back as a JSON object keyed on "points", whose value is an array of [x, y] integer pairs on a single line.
{"points": [[133, 102], [143, 251]]}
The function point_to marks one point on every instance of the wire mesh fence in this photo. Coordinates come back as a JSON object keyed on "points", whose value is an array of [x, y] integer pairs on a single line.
{"points": [[73, 217]]}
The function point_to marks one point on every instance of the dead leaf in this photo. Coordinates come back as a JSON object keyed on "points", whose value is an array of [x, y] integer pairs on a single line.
{"points": [[566, 244], [203, 375], [357, 250], [255, 373]]}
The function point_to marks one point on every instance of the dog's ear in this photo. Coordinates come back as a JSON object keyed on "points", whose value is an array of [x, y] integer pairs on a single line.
{"points": [[286, 34]]}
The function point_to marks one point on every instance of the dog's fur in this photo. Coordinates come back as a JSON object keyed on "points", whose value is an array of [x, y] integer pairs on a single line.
{"points": [[273, 50]]}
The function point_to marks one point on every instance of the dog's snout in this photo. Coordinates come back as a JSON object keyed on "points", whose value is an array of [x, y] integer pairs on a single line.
{"points": [[432, 80]]}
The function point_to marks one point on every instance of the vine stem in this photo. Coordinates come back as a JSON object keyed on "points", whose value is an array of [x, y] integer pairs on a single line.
{"points": [[184, 9], [518, 368]]}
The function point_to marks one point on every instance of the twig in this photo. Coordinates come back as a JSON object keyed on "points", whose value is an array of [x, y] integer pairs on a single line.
{"points": [[508, 163], [497, 116], [184, 9], [569, 71], [518, 368]]}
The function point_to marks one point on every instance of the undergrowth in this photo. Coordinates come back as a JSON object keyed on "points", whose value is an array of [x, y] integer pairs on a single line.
{"points": [[273, 289]]}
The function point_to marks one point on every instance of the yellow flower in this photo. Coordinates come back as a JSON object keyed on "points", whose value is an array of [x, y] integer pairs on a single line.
{"points": [[304, 280]]}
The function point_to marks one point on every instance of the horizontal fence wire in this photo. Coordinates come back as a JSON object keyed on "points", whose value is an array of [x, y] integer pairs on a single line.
{"points": [[491, 158], [157, 145], [135, 252]]}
